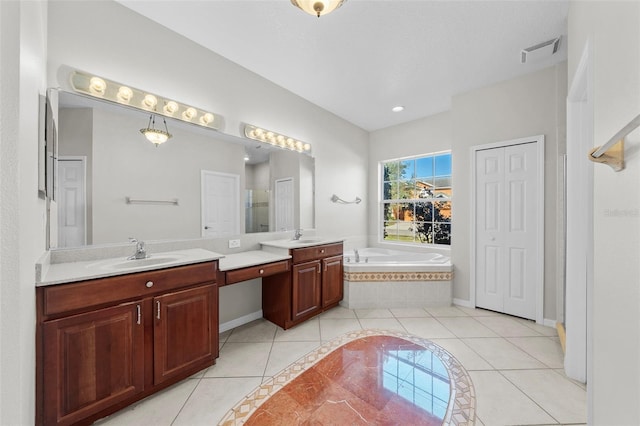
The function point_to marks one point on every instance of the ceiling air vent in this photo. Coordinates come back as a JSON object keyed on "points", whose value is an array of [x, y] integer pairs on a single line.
{"points": [[540, 51]]}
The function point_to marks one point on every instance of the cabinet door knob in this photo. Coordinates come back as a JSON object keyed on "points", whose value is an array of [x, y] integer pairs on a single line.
{"points": [[261, 271], [149, 284]]}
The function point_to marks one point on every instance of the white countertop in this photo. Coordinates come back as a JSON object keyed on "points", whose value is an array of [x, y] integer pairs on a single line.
{"points": [[249, 258], [302, 242], [60, 273]]}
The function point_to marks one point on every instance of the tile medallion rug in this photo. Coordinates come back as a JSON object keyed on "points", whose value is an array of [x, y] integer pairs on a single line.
{"points": [[364, 377]]}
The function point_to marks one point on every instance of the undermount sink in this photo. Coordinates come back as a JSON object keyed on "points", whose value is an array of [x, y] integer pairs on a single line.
{"points": [[149, 261], [307, 240], [136, 263]]}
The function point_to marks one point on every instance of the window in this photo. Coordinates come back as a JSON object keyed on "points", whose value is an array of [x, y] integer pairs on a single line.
{"points": [[416, 199]]}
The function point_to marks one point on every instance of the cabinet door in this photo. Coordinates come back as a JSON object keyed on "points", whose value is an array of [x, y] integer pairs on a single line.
{"points": [[332, 281], [185, 331], [92, 361], [306, 289]]}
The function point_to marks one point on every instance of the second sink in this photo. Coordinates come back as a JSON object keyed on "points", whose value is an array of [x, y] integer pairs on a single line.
{"points": [[120, 264]]}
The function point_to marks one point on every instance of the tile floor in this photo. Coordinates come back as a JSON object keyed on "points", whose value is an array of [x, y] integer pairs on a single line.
{"points": [[516, 366]]}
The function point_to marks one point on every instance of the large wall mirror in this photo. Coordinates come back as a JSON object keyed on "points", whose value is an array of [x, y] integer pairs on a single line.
{"points": [[112, 183]]}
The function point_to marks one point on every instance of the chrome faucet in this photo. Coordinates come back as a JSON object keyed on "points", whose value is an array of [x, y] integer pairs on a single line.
{"points": [[355, 251], [140, 253], [297, 234]]}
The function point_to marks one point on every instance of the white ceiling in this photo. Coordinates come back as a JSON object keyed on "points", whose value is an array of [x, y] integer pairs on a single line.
{"points": [[368, 55]]}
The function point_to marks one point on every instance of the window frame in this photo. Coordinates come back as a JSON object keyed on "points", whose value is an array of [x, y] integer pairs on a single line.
{"points": [[435, 198]]}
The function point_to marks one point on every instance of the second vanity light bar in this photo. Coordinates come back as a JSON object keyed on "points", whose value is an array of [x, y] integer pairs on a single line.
{"points": [[102, 88], [267, 136]]}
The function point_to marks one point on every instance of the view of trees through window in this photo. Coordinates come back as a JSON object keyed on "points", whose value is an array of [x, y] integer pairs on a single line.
{"points": [[416, 199]]}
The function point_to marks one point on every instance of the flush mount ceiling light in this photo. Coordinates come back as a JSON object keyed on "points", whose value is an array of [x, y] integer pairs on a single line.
{"points": [[153, 135], [276, 139], [318, 7], [109, 90], [398, 108]]}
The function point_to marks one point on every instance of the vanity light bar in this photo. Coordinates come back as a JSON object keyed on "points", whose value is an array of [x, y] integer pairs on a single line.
{"points": [[101, 88], [276, 139]]}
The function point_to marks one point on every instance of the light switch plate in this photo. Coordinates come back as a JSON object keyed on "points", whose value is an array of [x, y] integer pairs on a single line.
{"points": [[234, 243]]}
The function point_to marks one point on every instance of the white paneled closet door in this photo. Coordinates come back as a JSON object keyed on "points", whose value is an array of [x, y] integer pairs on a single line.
{"points": [[507, 229]]}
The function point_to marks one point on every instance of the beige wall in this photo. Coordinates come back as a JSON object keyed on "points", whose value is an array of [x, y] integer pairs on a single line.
{"points": [[424, 136], [612, 32], [526, 106]]}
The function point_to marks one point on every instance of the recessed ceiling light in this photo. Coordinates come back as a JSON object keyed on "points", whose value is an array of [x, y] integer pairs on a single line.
{"points": [[397, 108]]}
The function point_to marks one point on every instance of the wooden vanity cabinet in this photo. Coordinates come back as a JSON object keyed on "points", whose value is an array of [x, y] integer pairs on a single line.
{"points": [[314, 285], [306, 290], [92, 361], [103, 344], [183, 335], [332, 281]]}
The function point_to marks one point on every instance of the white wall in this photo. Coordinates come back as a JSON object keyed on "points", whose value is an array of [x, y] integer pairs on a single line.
{"points": [[612, 30], [118, 46], [22, 80], [125, 164], [284, 165], [75, 128], [306, 193], [526, 106]]}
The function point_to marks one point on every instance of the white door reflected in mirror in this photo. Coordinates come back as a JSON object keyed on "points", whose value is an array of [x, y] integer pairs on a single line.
{"points": [[284, 199], [72, 205], [220, 192]]}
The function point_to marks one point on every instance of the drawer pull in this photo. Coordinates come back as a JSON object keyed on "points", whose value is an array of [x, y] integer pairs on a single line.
{"points": [[158, 309], [139, 311], [149, 284], [261, 271], [322, 251]]}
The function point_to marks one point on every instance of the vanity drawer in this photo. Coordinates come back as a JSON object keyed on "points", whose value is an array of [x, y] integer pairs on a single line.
{"points": [[316, 252], [86, 294], [252, 272]]}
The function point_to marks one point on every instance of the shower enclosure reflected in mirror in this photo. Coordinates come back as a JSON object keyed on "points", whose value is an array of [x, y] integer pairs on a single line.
{"points": [[113, 184]]}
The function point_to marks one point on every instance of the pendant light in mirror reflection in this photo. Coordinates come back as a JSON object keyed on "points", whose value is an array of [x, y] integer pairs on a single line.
{"points": [[270, 137], [318, 7], [112, 91], [153, 135]]}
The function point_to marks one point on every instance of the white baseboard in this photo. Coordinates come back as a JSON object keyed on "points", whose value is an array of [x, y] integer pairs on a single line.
{"points": [[240, 321], [463, 303], [467, 304]]}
